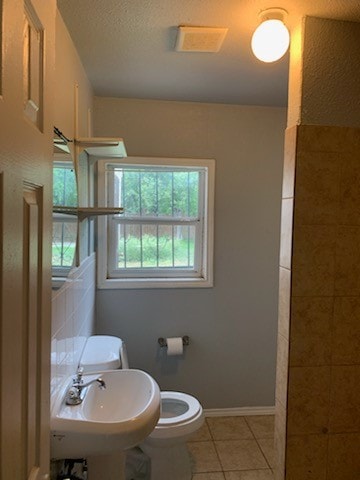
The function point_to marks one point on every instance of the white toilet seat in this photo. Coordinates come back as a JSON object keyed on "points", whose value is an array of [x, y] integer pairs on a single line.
{"points": [[178, 427], [182, 402]]}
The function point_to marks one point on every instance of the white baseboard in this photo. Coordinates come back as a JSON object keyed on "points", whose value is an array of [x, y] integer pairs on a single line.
{"points": [[238, 412]]}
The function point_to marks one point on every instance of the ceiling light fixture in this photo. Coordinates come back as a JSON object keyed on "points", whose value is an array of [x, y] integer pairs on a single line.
{"points": [[271, 39]]}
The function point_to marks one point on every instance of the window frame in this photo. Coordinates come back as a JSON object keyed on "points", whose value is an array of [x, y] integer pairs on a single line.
{"points": [[176, 278]]}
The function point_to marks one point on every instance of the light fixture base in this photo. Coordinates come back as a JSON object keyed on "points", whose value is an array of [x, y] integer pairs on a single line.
{"points": [[273, 14]]}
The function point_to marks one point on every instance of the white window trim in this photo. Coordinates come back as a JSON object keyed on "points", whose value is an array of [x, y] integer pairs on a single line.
{"points": [[206, 280]]}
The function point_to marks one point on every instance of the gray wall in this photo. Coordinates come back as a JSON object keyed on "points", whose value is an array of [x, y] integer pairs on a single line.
{"points": [[232, 326]]}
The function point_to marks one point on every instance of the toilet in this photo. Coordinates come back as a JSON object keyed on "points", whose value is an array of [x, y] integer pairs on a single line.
{"points": [[181, 414]]}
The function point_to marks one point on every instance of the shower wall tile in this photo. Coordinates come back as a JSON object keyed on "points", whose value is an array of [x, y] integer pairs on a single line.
{"points": [[280, 441], [346, 332], [289, 162], [332, 139], [318, 410], [307, 457], [286, 232], [73, 314], [349, 191], [345, 395], [313, 266], [311, 328], [282, 363], [344, 458], [317, 188], [347, 268], [308, 400], [284, 302]]}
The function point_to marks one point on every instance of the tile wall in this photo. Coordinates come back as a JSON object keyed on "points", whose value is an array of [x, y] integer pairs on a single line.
{"points": [[73, 316], [317, 432]]}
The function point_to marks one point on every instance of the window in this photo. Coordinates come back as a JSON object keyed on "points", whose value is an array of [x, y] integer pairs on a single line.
{"points": [[64, 226], [164, 238]]}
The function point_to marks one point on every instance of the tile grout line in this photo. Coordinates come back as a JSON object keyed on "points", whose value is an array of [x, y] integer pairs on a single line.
{"points": [[258, 444], [212, 440], [215, 448], [263, 454], [216, 452]]}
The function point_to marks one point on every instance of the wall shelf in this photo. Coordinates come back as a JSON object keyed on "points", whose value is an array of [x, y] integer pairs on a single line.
{"points": [[85, 212], [102, 146]]}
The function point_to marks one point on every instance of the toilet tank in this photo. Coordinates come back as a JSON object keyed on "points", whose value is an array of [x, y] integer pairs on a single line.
{"points": [[103, 352]]}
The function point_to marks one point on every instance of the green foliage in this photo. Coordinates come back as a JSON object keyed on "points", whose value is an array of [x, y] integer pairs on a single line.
{"points": [[160, 193], [177, 254], [64, 186], [63, 257]]}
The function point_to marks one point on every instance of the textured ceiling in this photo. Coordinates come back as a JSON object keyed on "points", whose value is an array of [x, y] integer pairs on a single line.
{"points": [[127, 47]]}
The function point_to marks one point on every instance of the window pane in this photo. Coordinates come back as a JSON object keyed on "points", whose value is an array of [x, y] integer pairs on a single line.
{"points": [[184, 246], [164, 194], [149, 246], [165, 246], [130, 192], [148, 194], [186, 194], [63, 243], [120, 231], [155, 246], [64, 186], [194, 179], [132, 246], [155, 192]]}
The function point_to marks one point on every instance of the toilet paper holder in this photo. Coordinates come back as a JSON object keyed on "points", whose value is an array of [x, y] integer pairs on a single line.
{"points": [[185, 340]]}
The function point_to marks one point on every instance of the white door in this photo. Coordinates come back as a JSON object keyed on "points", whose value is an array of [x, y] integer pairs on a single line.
{"points": [[26, 123]]}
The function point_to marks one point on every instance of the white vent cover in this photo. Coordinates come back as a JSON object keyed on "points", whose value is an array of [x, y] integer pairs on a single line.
{"points": [[200, 39]]}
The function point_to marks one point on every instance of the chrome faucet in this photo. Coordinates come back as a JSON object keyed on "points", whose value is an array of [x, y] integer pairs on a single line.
{"points": [[77, 391]]}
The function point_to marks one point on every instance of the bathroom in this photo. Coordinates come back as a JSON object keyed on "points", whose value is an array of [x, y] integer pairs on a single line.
{"points": [[225, 323], [229, 328], [225, 327]]}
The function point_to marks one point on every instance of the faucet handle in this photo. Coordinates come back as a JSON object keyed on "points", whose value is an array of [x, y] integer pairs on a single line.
{"points": [[73, 396], [79, 374]]}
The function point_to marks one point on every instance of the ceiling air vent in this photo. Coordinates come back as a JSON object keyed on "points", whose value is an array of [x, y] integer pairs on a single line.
{"points": [[199, 39]]}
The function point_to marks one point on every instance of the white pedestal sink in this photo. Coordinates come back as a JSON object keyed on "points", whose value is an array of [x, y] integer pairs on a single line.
{"points": [[107, 421]]}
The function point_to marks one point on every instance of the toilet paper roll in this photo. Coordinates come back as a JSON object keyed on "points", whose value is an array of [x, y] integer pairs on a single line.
{"points": [[174, 346]]}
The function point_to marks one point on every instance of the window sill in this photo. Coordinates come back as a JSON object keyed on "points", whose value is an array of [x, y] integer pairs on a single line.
{"points": [[142, 283]]}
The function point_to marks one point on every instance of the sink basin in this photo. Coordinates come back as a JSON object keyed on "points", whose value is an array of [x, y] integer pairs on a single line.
{"points": [[114, 419]]}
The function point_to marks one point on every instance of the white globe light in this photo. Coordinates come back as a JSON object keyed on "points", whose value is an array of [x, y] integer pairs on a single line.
{"points": [[270, 41]]}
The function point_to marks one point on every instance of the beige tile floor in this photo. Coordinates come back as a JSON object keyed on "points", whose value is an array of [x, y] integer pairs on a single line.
{"points": [[233, 448]]}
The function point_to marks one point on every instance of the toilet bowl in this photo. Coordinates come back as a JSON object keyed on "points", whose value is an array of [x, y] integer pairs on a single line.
{"points": [[181, 414]]}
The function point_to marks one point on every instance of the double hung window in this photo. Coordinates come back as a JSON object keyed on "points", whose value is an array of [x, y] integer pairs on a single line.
{"points": [[164, 236]]}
